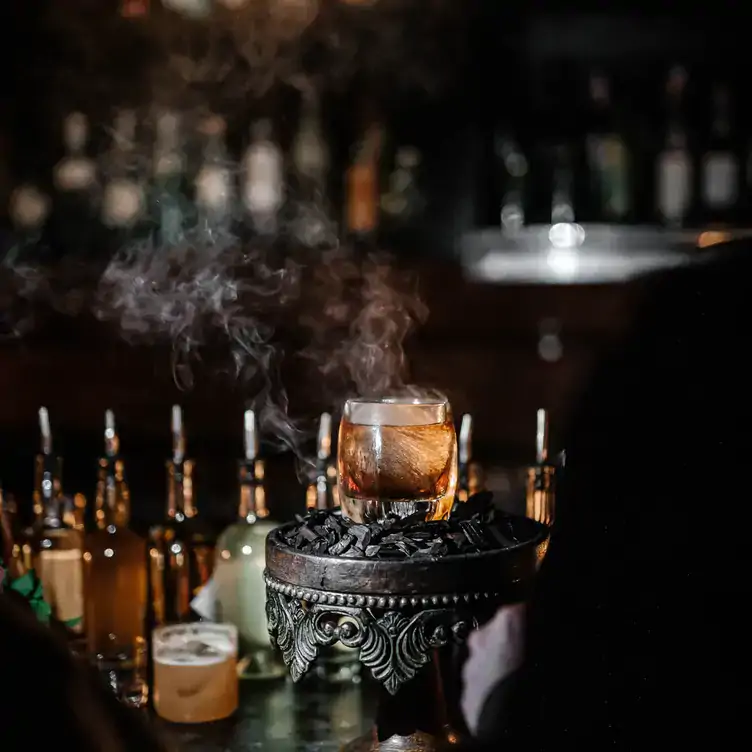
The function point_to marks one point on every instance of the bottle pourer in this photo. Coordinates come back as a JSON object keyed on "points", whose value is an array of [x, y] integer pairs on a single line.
{"points": [[251, 472], [47, 486], [179, 472], [470, 474], [541, 477], [321, 493]]}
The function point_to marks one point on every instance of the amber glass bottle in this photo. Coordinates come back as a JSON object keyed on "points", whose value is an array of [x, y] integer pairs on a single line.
{"points": [[115, 575], [181, 549]]}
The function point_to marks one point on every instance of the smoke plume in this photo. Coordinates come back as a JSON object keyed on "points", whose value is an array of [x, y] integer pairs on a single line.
{"points": [[208, 290]]}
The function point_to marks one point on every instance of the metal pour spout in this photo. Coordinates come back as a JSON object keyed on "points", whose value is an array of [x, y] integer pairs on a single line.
{"points": [[47, 483], [321, 494], [541, 477], [112, 502], [470, 474], [179, 473], [251, 473]]}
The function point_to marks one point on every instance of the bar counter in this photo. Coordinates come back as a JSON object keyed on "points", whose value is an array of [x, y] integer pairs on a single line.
{"points": [[283, 717]]}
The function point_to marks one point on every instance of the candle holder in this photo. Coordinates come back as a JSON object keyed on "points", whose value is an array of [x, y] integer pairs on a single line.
{"points": [[405, 616]]}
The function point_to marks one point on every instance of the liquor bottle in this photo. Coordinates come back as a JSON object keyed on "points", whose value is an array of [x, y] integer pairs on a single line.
{"points": [[309, 152], [402, 203], [168, 200], [720, 167], [123, 202], [470, 474], [181, 549], [513, 173], [263, 191], [213, 185], [115, 568], [674, 178], [562, 198], [322, 494], [10, 553], [29, 210], [312, 227], [75, 230], [541, 477], [57, 548], [239, 567], [362, 186], [607, 157]]}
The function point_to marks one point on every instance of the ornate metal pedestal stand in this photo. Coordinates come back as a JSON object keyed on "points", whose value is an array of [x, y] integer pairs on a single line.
{"points": [[404, 616]]}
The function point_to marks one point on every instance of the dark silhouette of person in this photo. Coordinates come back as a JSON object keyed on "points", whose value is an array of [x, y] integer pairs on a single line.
{"points": [[638, 633], [48, 700]]}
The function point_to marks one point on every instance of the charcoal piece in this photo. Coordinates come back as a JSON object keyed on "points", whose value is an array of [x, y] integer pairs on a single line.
{"points": [[474, 534], [353, 553], [333, 524], [362, 536], [403, 548], [401, 523], [496, 536], [392, 538], [300, 520], [307, 534], [372, 551], [437, 548], [458, 539], [319, 547], [477, 505], [342, 545]]}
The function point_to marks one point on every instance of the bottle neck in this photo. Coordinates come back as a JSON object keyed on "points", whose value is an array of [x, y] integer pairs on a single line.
{"points": [[48, 491], [113, 502], [321, 494], [180, 504], [252, 505]]}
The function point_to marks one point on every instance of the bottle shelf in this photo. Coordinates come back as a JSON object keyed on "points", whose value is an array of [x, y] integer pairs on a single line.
{"points": [[583, 254]]}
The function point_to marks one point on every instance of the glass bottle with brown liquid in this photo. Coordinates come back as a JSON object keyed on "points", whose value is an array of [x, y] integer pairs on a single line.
{"points": [[56, 548], [181, 550], [114, 570]]}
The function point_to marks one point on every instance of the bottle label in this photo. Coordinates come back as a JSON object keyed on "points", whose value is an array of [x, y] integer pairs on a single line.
{"points": [[719, 184], [122, 204], [674, 185], [61, 574], [75, 174], [310, 155], [263, 190], [241, 597]]}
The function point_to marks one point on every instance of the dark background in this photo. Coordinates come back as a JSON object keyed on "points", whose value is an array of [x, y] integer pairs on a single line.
{"points": [[478, 65]]}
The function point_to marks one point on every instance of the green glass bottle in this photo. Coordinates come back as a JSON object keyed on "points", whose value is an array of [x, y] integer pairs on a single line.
{"points": [[239, 567]]}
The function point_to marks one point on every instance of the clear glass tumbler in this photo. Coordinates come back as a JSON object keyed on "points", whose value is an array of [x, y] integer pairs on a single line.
{"points": [[195, 672], [397, 455]]}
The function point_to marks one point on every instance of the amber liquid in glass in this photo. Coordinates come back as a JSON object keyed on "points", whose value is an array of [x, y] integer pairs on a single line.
{"points": [[195, 674], [399, 454]]}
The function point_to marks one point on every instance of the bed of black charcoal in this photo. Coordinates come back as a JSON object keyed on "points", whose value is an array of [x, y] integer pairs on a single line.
{"points": [[474, 526]]}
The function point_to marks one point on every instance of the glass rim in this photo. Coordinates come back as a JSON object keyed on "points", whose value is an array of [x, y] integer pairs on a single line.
{"points": [[406, 400], [387, 411]]}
